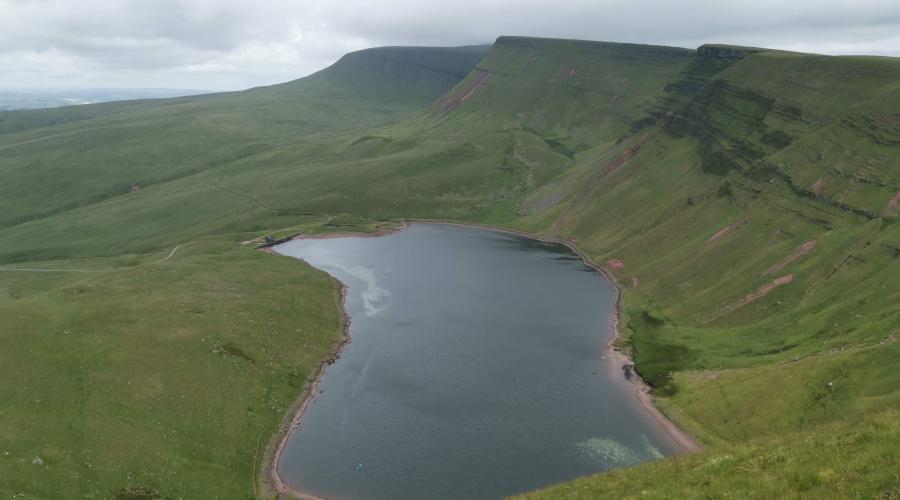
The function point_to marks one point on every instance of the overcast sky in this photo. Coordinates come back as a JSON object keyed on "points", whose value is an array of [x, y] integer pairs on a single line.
{"points": [[235, 44]]}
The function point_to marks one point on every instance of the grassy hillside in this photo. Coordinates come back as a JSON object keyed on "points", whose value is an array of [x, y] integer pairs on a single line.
{"points": [[746, 200], [64, 159], [754, 233], [154, 375]]}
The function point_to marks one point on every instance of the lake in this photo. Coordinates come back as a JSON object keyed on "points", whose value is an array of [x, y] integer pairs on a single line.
{"points": [[475, 370]]}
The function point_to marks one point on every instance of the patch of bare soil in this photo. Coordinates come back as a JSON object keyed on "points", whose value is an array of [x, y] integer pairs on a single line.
{"points": [[456, 99], [892, 206], [817, 186], [759, 293], [627, 154], [725, 231], [798, 252]]}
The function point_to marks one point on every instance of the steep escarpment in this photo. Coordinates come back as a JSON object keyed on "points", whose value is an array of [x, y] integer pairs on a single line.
{"points": [[581, 92], [411, 75], [750, 212], [717, 51], [753, 208]]}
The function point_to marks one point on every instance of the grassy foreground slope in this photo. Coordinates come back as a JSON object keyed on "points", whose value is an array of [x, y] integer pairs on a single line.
{"points": [[745, 200], [146, 376]]}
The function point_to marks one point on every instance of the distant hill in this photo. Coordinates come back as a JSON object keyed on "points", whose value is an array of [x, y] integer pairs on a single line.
{"points": [[146, 142], [21, 99]]}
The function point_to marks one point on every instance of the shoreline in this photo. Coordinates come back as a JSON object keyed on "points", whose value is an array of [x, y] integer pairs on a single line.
{"points": [[620, 361], [349, 234], [270, 478]]}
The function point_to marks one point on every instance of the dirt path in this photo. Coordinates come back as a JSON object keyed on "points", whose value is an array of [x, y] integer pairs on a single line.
{"points": [[45, 270], [171, 254], [259, 239], [53, 136], [245, 196], [37, 270]]}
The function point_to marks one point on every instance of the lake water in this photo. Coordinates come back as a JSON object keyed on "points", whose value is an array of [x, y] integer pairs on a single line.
{"points": [[474, 371]]}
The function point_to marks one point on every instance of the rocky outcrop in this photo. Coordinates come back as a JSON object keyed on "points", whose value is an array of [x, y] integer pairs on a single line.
{"points": [[726, 51]]}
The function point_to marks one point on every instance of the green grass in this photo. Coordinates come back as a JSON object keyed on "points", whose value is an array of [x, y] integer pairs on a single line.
{"points": [[170, 375], [76, 157], [636, 153]]}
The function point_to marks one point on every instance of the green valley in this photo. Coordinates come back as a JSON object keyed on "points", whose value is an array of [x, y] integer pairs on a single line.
{"points": [[745, 200]]}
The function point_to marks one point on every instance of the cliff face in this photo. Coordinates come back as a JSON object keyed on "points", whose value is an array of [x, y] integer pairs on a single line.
{"points": [[585, 46], [582, 92], [726, 51], [416, 75]]}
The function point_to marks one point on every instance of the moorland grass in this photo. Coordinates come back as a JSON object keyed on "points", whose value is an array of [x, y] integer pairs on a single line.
{"points": [[696, 176], [169, 376]]}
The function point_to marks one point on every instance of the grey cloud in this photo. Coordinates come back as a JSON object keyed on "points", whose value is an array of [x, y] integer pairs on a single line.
{"points": [[240, 43]]}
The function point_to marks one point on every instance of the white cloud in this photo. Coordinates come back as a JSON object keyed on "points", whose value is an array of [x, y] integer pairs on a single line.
{"points": [[228, 44]]}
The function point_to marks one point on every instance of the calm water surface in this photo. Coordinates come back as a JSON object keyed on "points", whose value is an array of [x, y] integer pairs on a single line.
{"points": [[474, 371]]}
